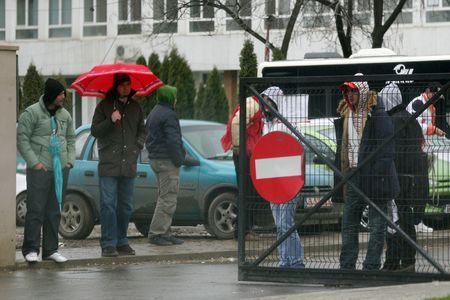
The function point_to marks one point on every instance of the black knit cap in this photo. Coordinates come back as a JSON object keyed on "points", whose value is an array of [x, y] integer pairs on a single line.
{"points": [[120, 78], [52, 89]]}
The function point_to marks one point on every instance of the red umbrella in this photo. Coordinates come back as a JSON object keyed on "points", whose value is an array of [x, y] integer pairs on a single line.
{"points": [[99, 79]]}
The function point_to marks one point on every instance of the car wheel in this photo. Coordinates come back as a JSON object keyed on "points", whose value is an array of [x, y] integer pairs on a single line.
{"points": [[21, 208], [77, 219], [222, 215], [143, 227]]}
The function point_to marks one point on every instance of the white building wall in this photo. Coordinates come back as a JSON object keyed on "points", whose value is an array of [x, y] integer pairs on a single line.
{"points": [[72, 56]]}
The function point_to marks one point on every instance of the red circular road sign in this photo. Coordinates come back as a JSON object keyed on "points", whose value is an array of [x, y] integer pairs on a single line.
{"points": [[276, 167]]}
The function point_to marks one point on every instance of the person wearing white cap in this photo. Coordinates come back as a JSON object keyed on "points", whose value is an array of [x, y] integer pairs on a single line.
{"points": [[290, 251]]}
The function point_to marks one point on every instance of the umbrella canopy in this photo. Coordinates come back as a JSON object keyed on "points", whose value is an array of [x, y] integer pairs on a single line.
{"points": [[99, 79]]}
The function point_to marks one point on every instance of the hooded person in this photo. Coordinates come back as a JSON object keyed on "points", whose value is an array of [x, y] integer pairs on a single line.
{"points": [[361, 129], [412, 167], [290, 251], [166, 153]]}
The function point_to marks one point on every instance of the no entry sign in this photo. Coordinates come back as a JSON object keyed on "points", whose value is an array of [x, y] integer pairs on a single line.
{"points": [[276, 167]]}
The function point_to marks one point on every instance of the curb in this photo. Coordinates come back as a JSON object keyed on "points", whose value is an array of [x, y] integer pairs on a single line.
{"points": [[122, 260]]}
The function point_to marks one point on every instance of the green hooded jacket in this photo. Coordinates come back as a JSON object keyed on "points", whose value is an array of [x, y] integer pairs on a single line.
{"points": [[33, 135]]}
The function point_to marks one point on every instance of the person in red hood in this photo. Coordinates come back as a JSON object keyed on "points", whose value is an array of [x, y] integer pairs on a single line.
{"points": [[230, 141], [362, 128]]}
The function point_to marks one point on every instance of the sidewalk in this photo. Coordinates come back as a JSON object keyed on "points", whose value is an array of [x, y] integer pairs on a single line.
{"points": [[197, 246]]}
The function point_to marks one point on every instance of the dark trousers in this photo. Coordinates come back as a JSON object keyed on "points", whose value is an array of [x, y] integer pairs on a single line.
{"points": [[252, 199], [42, 212], [399, 253]]}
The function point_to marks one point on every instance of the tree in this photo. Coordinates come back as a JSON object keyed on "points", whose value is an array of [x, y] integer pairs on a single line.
{"points": [[68, 104], [32, 88], [346, 21], [147, 102], [248, 61], [154, 64], [344, 13], [199, 104], [236, 8], [141, 61], [176, 71], [215, 104]]}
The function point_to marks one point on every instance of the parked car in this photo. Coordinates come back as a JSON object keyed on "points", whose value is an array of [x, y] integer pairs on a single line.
{"points": [[21, 198], [207, 194]]}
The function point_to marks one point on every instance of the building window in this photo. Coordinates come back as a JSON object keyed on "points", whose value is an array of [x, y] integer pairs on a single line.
{"points": [[60, 18], [165, 15], [2, 19], [317, 15], [243, 8], [129, 17], [437, 11], [202, 17], [405, 17], [95, 17], [27, 19], [280, 10]]}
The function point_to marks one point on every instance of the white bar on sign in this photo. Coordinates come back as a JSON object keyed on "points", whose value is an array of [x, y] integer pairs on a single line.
{"points": [[278, 167]]}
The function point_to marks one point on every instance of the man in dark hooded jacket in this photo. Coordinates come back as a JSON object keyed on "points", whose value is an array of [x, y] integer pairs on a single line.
{"points": [[33, 141], [166, 154], [362, 128], [118, 125], [412, 167]]}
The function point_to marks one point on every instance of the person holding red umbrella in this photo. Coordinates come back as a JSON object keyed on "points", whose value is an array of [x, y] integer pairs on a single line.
{"points": [[118, 125]]}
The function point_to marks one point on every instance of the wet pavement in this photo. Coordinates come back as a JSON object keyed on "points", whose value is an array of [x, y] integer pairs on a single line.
{"points": [[201, 268]]}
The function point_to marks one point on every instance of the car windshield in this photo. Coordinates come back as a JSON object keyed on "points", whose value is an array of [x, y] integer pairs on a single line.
{"points": [[329, 133], [206, 140]]}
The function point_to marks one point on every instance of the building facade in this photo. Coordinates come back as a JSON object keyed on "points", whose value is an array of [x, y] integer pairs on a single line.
{"points": [[69, 37]]}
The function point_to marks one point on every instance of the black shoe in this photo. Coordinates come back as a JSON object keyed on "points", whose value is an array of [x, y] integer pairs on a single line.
{"points": [[159, 241], [109, 252], [407, 269], [173, 240], [125, 250]]}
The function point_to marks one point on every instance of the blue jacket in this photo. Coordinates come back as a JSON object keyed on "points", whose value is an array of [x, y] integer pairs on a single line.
{"points": [[377, 178], [164, 135]]}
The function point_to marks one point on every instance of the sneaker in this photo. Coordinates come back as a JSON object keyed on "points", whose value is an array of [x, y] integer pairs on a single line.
{"points": [[125, 250], [56, 257], [423, 228], [174, 240], [31, 257], [407, 269], [159, 241], [109, 252]]}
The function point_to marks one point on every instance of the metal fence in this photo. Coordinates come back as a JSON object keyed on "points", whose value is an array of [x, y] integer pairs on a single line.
{"points": [[373, 236]]}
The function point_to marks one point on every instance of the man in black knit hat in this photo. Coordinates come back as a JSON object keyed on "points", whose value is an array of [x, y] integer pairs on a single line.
{"points": [[118, 125], [33, 142]]}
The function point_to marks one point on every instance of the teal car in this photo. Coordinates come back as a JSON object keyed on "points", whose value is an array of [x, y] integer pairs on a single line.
{"points": [[208, 189]]}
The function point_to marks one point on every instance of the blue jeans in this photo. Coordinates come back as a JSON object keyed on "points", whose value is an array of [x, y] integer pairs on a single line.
{"points": [[351, 219], [116, 206], [290, 251]]}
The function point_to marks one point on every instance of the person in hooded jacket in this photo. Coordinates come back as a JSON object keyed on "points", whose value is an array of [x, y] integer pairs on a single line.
{"points": [[290, 251], [33, 142], [118, 125], [166, 153], [412, 167], [362, 127], [230, 141]]}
